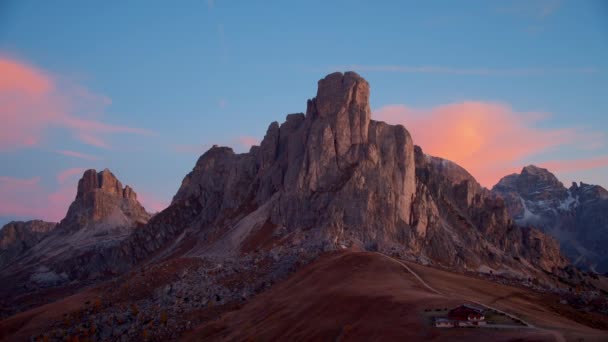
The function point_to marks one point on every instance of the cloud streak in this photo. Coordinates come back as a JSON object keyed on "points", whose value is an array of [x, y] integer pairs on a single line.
{"points": [[33, 102], [576, 164], [69, 173], [75, 154], [446, 70], [488, 139], [242, 143], [27, 198]]}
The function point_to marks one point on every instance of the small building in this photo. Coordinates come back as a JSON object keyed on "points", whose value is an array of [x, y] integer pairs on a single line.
{"points": [[462, 316], [467, 313]]}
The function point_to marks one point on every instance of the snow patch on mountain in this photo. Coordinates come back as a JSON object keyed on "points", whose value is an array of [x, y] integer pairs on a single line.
{"points": [[528, 216]]}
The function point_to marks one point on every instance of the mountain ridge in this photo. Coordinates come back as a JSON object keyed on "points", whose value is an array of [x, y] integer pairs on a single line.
{"points": [[574, 215]]}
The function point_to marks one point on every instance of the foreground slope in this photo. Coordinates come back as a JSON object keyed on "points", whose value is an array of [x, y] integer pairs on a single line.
{"points": [[367, 296]]}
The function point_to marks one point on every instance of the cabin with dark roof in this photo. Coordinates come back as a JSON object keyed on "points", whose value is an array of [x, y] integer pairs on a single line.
{"points": [[467, 313]]}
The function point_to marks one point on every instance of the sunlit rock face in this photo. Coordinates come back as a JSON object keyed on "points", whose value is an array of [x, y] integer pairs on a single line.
{"points": [[333, 171], [333, 178], [575, 216]]}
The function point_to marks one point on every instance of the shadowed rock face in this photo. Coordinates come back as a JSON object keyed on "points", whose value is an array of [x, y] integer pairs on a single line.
{"points": [[17, 237], [576, 216]]}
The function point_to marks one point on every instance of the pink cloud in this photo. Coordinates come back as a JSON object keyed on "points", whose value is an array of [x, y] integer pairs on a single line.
{"points": [[69, 173], [151, 202], [27, 198], [490, 140], [248, 141], [575, 165], [75, 154], [33, 101]]}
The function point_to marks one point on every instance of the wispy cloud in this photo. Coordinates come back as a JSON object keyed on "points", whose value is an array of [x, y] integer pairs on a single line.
{"points": [[537, 9], [410, 69], [488, 139], [196, 149], [75, 154], [69, 173], [27, 198], [151, 202], [567, 166], [248, 141], [32, 102], [240, 144]]}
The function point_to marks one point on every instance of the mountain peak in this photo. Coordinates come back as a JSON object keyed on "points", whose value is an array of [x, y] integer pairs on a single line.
{"points": [[343, 101], [535, 170], [100, 195], [103, 181], [337, 91]]}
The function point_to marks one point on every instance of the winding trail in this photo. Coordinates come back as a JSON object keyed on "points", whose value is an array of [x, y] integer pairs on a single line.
{"points": [[556, 334]]}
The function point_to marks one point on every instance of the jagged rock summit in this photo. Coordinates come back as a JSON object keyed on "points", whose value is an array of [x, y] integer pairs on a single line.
{"points": [[328, 173], [101, 198], [576, 216]]}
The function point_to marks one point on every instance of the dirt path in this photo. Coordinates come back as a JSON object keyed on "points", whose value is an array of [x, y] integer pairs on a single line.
{"points": [[432, 289], [556, 334]]}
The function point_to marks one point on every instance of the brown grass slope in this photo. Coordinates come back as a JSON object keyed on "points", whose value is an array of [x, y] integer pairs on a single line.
{"points": [[348, 297]]}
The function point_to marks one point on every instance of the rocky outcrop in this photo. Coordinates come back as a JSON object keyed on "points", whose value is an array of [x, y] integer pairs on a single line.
{"points": [[16, 237], [101, 198], [101, 217], [575, 216]]}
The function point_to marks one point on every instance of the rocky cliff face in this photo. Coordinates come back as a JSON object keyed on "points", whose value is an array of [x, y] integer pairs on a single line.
{"points": [[465, 224], [17, 237], [334, 178], [576, 216], [326, 175]]}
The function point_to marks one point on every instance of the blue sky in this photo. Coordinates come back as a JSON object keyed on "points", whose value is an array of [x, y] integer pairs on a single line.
{"points": [[172, 79]]}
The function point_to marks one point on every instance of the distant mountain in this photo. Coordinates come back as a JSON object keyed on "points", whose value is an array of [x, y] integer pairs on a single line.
{"points": [[102, 214], [576, 216]]}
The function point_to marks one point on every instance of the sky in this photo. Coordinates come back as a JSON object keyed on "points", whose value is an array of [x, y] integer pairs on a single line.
{"points": [[145, 87]]}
